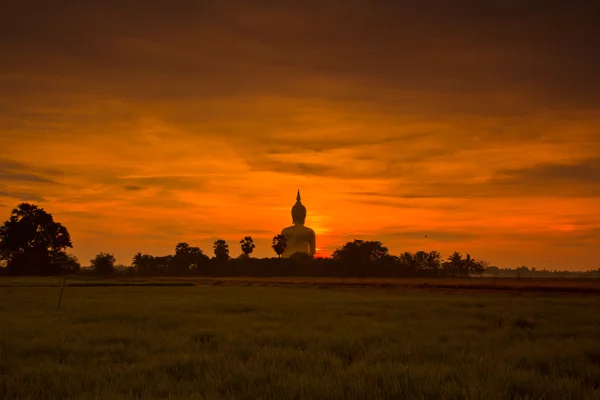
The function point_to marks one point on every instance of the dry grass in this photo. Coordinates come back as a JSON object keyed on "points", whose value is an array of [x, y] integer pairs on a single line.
{"points": [[236, 342]]}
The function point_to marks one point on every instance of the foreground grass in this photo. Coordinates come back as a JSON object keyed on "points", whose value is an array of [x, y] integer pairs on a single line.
{"points": [[218, 342]]}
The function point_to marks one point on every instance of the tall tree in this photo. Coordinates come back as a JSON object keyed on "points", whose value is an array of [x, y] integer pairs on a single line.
{"points": [[421, 260], [455, 265], [138, 261], [247, 245], [279, 244], [31, 242], [187, 258], [479, 267], [408, 263], [144, 264], [434, 262], [468, 265], [221, 250], [430, 263], [104, 263]]}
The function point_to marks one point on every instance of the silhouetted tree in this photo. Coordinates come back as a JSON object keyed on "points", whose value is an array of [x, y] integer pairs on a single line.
{"points": [[144, 264], [458, 266], [247, 245], [69, 262], [104, 263], [493, 270], [361, 252], [279, 245], [433, 262], [161, 264], [31, 242], [221, 250], [479, 267], [138, 261], [187, 259], [455, 265], [408, 263], [468, 265]]}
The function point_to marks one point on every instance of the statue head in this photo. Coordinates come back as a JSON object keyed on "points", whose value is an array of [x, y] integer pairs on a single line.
{"points": [[298, 211]]}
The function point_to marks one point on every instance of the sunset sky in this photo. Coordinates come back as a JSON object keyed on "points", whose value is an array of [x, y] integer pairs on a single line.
{"points": [[427, 125]]}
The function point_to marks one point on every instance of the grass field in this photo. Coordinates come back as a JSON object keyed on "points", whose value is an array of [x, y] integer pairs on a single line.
{"points": [[303, 341]]}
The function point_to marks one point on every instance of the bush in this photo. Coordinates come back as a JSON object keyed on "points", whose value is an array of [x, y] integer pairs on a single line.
{"points": [[104, 263]]}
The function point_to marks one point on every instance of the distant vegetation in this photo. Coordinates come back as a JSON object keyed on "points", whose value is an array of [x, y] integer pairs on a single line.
{"points": [[32, 243]]}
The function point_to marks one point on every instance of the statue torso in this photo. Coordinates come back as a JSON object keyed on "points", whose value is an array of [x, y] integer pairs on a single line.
{"points": [[298, 239]]}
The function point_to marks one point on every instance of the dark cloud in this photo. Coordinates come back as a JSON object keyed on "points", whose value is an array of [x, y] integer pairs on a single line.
{"points": [[22, 177], [93, 232], [295, 168], [166, 182], [161, 200], [82, 215], [21, 195], [397, 202], [283, 144], [578, 237], [346, 171], [497, 190], [555, 180], [133, 188], [411, 180], [586, 172], [543, 50], [231, 231], [15, 171], [583, 236]]}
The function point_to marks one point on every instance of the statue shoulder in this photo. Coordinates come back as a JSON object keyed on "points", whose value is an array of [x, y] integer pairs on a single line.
{"points": [[310, 230]]}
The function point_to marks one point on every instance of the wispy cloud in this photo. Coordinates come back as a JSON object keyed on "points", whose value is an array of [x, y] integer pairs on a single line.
{"points": [[21, 196], [21, 177], [133, 188]]}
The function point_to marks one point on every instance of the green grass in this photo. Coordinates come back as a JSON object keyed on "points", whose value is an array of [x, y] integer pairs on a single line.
{"points": [[255, 342]]}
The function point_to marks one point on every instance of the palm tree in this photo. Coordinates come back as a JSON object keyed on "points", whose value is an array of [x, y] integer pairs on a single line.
{"points": [[468, 265], [143, 263], [247, 245], [137, 260], [454, 265], [221, 250], [432, 262], [279, 244]]}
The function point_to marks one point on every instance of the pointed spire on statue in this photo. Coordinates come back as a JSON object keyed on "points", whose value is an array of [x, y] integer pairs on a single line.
{"points": [[298, 196]]}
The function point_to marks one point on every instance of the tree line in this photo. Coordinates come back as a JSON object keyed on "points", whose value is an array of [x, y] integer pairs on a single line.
{"points": [[357, 258], [32, 243]]}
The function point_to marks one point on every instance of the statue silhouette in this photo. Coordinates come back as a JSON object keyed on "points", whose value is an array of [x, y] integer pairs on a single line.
{"points": [[300, 238]]}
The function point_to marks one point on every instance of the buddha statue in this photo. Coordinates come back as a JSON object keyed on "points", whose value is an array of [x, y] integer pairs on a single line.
{"points": [[300, 238]]}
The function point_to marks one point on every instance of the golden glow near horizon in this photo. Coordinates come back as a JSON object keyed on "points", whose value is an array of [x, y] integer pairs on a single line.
{"points": [[155, 133]]}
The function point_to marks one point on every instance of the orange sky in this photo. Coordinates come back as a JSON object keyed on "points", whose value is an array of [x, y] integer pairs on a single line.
{"points": [[141, 128]]}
